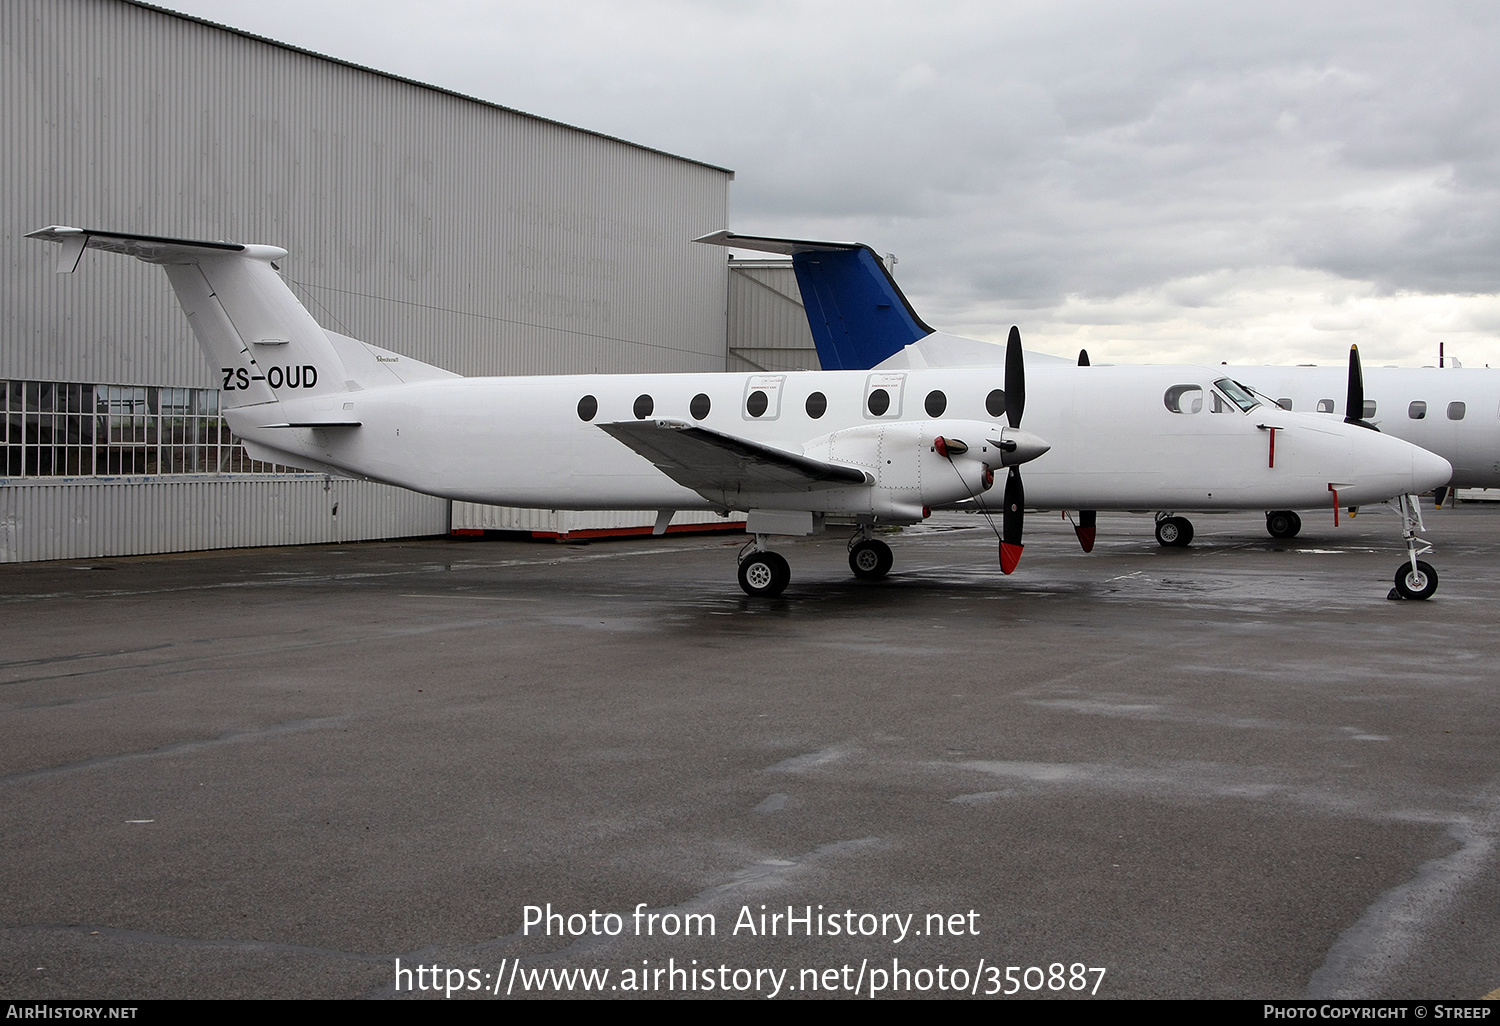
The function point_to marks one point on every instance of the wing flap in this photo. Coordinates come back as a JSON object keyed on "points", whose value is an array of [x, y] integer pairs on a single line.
{"points": [[712, 463]]}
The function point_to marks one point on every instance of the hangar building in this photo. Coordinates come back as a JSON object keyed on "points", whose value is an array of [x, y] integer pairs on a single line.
{"points": [[459, 232]]}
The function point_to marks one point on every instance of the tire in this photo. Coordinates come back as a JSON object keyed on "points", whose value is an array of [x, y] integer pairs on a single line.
{"points": [[1419, 585], [764, 574], [1174, 531], [1283, 523], [871, 560], [783, 571]]}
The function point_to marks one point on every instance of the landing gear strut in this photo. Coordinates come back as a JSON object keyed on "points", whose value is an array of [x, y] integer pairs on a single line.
{"points": [[1173, 531], [763, 573], [1415, 579]]}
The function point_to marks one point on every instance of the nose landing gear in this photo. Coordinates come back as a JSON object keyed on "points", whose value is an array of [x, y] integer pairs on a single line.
{"points": [[1415, 579]]}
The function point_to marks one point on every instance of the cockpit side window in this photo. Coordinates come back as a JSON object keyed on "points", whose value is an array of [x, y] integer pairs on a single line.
{"points": [[1184, 398], [1237, 394]]}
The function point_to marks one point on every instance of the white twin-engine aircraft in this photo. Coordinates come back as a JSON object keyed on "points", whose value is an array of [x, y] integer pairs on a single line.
{"points": [[865, 447]]}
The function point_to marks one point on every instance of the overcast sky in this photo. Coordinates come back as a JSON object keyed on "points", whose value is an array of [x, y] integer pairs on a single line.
{"points": [[1163, 182]]}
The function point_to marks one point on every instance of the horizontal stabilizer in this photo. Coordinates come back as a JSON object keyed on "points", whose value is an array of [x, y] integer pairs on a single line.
{"points": [[713, 464], [154, 249], [857, 313]]}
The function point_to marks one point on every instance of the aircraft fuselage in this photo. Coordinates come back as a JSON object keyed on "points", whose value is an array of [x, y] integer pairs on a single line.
{"points": [[1115, 444]]}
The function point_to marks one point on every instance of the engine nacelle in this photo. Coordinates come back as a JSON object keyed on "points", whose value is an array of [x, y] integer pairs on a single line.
{"points": [[910, 472]]}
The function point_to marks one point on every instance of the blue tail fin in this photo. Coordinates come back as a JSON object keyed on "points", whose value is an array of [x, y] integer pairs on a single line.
{"points": [[857, 313]]}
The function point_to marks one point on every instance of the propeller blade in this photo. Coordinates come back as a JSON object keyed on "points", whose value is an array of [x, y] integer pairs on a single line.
{"points": [[1011, 521], [1085, 528], [1354, 405], [1015, 378], [1083, 357]]}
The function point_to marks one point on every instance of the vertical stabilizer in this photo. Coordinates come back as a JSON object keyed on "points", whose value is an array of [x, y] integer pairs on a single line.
{"points": [[857, 313], [262, 342]]}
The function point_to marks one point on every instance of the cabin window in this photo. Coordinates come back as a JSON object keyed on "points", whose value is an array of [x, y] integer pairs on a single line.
{"points": [[756, 403], [1368, 410], [1285, 403], [879, 401], [994, 403], [817, 405], [1417, 410], [1184, 398], [1325, 405], [936, 403], [643, 406], [1456, 411], [700, 406], [588, 406]]}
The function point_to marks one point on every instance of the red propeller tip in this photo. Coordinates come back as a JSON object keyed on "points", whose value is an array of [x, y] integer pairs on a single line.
{"points": [[1010, 555]]}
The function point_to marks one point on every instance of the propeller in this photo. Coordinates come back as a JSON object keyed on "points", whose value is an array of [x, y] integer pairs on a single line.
{"points": [[1354, 406], [1087, 518], [1012, 519], [1086, 528]]}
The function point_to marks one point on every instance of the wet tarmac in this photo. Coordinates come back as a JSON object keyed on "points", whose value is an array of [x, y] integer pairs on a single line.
{"points": [[1232, 770]]}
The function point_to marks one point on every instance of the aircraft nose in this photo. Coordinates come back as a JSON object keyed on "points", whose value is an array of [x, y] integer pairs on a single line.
{"points": [[1017, 446], [1429, 471]]}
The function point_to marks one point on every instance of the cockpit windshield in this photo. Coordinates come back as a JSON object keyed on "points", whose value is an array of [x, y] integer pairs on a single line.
{"points": [[1238, 394]]}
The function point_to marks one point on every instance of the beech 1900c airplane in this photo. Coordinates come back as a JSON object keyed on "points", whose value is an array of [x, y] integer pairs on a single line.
{"points": [[870, 447]]}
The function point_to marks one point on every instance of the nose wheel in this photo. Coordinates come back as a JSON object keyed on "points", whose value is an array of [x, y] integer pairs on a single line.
{"points": [[870, 559], [1416, 582]]}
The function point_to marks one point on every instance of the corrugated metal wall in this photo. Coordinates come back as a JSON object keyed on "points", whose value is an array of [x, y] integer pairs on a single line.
{"points": [[86, 517], [456, 232], [767, 325]]}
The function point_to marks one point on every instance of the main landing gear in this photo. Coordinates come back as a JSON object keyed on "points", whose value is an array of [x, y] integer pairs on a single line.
{"points": [[1173, 531], [1283, 523], [1415, 579], [869, 558], [763, 573]]}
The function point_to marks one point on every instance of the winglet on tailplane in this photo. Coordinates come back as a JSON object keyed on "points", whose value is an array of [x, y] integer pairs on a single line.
{"points": [[858, 314]]}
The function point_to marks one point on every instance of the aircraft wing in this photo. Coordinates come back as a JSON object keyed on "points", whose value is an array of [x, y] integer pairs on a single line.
{"points": [[712, 463]]}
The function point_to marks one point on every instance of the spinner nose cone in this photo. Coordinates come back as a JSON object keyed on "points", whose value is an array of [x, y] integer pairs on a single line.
{"points": [[1017, 446], [1429, 471]]}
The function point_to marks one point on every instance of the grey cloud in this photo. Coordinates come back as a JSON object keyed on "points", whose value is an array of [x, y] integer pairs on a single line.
{"points": [[1015, 156]]}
